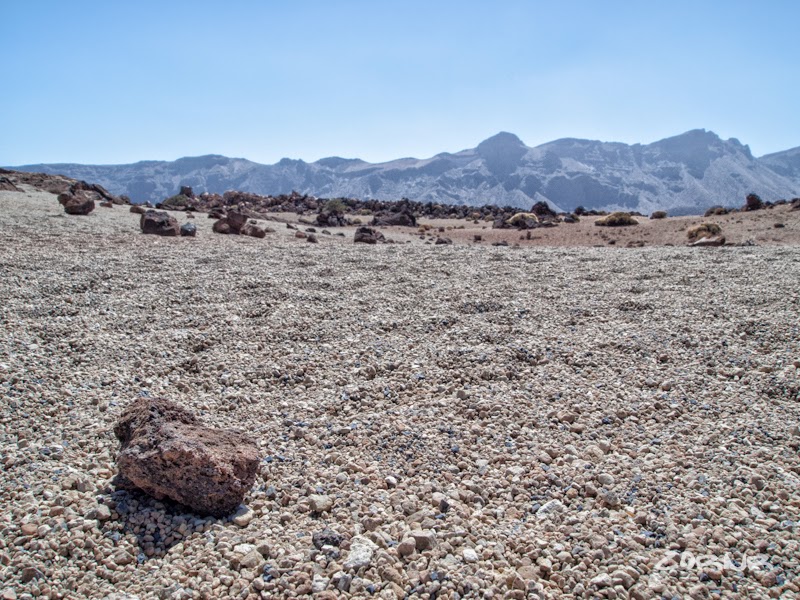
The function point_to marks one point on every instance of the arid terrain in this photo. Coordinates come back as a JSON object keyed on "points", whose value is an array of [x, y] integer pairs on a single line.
{"points": [[554, 420]]}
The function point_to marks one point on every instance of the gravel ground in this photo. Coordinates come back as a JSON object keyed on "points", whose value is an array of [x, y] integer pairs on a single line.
{"points": [[465, 421]]}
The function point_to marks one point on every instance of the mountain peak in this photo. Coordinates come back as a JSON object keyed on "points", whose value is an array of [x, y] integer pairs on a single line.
{"points": [[503, 139]]}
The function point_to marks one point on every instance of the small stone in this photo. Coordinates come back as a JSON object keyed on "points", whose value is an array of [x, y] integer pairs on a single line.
{"points": [[362, 550], [602, 581], [424, 540], [29, 528], [319, 583], [102, 513], [391, 482], [9, 594], [407, 547], [605, 479], [122, 557], [470, 556], [666, 386], [550, 508], [609, 498], [326, 537], [251, 560], [320, 503], [623, 578], [243, 516], [30, 573]]}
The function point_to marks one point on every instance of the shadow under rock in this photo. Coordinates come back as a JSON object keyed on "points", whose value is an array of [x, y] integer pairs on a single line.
{"points": [[157, 525]]}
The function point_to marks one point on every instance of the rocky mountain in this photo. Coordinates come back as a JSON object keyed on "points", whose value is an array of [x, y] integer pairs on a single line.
{"points": [[786, 163], [683, 174]]}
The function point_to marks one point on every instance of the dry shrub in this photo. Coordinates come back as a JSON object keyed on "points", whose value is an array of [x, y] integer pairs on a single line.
{"points": [[659, 214], [703, 231], [617, 219], [521, 217]]}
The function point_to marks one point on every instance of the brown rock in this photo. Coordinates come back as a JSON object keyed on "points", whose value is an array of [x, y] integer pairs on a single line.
{"points": [[221, 226], [76, 203], [159, 223], [166, 452], [138, 209], [367, 235], [253, 230], [6, 185], [237, 221]]}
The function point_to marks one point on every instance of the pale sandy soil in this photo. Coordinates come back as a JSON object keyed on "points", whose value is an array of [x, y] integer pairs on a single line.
{"points": [[485, 422]]}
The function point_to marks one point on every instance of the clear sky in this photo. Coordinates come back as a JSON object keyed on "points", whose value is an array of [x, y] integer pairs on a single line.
{"points": [[113, 82]]}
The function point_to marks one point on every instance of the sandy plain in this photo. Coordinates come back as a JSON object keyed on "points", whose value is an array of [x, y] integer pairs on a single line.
{"points": [[468, 421]]}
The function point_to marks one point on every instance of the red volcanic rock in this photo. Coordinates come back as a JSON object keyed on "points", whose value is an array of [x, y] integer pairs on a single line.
{"points": [[76, 203], [159, 223], [167, 453]]}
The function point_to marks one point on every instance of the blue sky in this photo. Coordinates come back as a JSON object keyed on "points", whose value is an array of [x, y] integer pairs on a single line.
{"points": [[114, 82]]}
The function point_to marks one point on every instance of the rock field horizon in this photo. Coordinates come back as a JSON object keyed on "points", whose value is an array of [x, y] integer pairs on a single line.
{"points": [[433, 421]]}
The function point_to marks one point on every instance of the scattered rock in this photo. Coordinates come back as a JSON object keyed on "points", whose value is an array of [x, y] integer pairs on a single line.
{"points": [[367, 235], [158, 223], [188, 230], [76, 203]]}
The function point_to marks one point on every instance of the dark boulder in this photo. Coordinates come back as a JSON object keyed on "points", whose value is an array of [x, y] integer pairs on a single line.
{"points": [[159, 223], [542, 210], [77, 202], [367, 235], [252, 230], [188, 230]]}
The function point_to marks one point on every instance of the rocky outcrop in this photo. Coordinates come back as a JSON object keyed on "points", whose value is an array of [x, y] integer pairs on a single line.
{"points": [[167, 453], [6, 185], [158, 222]]}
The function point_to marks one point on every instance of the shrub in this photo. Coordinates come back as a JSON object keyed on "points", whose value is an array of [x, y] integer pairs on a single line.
{"points": [[617, 219], [522, 219], [753, 202], [580, 211], [702, 231], [335, 206], [716, 210], [659, 214]]}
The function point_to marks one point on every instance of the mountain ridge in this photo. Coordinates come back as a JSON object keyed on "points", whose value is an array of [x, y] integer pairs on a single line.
{"points": [[682, 174]]}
